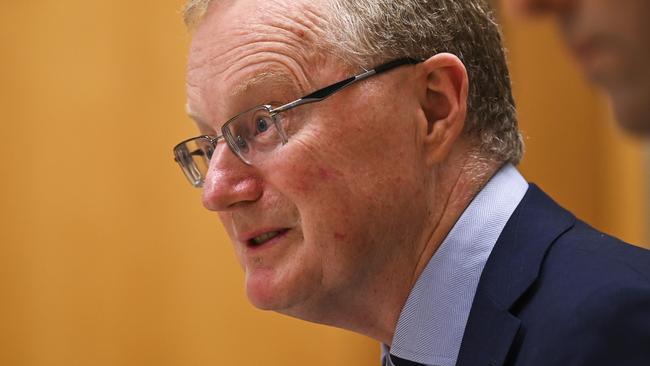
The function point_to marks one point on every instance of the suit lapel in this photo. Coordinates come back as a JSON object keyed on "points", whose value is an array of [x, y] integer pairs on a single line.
{"points": [[511, 269]]}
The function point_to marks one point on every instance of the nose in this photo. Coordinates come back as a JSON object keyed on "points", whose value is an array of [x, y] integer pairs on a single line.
{"points": [[229, 181], [540, 7]]}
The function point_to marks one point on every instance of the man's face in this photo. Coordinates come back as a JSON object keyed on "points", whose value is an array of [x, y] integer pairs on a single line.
{"points": [[322, 218], [611, 40]]}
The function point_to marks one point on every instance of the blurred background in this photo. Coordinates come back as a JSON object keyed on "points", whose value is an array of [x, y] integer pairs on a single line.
{"points": [[106, 254]]}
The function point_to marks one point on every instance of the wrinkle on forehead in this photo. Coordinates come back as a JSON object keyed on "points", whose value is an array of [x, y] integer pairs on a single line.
{"points": [[252, 41], [294, 30]]}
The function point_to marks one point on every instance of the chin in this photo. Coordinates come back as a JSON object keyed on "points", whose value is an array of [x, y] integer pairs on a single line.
{"points": [[267, 289], [263, 292]]}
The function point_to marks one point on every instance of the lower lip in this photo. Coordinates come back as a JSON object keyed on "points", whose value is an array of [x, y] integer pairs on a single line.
{"points": [[269, 242]]}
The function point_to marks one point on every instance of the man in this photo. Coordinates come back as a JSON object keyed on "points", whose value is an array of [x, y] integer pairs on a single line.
{"points": [[385, 199], [611, 40]]}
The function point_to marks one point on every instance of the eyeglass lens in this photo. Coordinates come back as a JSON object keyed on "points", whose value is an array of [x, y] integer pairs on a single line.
{"points": [[194, 158], [252, 132]]}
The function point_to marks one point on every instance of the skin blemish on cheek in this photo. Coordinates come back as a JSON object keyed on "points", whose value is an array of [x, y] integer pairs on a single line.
{"points": [[307, 175], [325, 174], [302, 185], [306, 184], [339, 236]]}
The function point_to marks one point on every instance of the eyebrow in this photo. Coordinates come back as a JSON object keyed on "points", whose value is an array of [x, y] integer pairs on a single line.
{"points": [[272, 77]]}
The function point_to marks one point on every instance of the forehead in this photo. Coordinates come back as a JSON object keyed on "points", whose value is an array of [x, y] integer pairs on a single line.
{"points": [[240, 44]]}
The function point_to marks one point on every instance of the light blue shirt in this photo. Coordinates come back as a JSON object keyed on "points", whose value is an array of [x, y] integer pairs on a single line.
{"points": [[431, 325]]}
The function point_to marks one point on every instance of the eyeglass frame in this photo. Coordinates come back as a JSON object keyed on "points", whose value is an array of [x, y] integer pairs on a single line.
{"points": [[313, 97]]}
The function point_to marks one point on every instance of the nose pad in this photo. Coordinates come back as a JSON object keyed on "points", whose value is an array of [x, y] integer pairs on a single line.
{"points": [[229, 181]]}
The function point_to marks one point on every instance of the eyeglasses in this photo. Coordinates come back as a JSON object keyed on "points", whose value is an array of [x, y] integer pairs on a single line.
{"points": [[256, 132]]}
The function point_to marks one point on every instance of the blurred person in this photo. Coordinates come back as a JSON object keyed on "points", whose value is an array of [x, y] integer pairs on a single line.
{"points": [[386, 200], [611, 41]]}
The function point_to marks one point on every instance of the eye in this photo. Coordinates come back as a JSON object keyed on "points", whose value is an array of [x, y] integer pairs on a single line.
{"points": [[261, 124]]}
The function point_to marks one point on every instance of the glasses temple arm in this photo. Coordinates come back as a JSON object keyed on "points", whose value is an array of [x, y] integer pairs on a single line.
{"points": [[325, 92]]}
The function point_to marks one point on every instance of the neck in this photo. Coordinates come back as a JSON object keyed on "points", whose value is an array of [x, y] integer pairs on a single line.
{"points": [[454, 189]]}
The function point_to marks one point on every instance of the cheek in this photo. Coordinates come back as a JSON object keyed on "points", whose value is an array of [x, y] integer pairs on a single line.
{"points": [[335, 165], [321, 192], [348, 177], [344, 205], [307, 163]]}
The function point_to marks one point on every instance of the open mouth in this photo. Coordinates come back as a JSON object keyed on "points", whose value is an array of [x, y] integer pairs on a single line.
{"points": [[266, 237]]}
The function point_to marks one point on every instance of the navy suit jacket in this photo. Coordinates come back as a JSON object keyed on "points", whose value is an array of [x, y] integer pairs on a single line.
{"points": [[555, 291]]}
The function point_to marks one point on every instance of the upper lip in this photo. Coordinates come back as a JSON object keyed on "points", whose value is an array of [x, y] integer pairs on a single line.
{"points": [[247, 237]]}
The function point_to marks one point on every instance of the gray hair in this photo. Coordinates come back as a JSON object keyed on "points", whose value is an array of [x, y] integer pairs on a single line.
{"points": [[194, 10], [368, 32]]}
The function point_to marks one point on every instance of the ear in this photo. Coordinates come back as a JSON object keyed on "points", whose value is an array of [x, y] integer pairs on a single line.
{"points": [[444, 103]]}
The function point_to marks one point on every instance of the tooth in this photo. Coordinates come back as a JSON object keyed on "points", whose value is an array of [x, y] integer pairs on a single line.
{"points": [[265, 237]]}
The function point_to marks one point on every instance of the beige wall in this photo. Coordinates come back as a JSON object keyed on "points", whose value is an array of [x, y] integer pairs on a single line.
{"points": [[106, 255]]}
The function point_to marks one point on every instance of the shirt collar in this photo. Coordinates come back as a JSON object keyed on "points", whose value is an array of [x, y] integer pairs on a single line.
{"points": [[431, 325]]}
